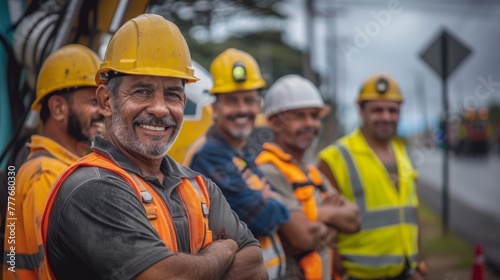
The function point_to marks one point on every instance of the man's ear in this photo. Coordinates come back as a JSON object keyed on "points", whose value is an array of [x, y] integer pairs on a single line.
{"points": [[274, 122], [214, 110], [58, 107], [105, 100]]}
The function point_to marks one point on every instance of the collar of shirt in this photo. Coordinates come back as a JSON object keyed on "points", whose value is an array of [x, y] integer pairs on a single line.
{"points": [[172, 170], [39, 143], [246, 154]]}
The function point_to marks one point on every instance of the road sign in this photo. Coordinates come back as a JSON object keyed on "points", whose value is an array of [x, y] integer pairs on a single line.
{"points": [[444, 54]]}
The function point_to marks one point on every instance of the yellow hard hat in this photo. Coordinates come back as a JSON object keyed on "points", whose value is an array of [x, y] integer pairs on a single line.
{"points": [[235, 70], [380, 87], [69, 67], [147, 45]]}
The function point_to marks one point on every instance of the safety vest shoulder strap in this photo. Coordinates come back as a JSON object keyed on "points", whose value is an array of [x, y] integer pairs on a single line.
{"points": [[294, 174]]}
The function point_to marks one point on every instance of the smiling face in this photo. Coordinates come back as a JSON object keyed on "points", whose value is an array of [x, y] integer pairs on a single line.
{"points": [[295, 130], [85, 120], [144, 115], [380, 119], [234, 113]]}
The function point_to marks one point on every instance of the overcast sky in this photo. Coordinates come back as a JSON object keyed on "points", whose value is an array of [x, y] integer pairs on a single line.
{"points": [[388, 35]]}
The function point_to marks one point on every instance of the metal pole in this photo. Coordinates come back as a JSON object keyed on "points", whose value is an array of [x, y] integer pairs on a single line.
{"points": [[444, 57], [308, 72], [66, 24], [118, 16]]}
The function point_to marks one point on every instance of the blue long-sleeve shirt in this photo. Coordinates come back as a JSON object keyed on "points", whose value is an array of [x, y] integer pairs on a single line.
{"points": [[223, 164]]}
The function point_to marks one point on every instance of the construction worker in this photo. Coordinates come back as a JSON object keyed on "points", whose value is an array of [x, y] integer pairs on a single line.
{"points": [[65, 98], [127, 210], [223, 156], [371, 167], [293, 108]]}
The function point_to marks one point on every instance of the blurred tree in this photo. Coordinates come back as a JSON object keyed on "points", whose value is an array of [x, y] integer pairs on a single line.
{"points": [[494, 119], [189, 14], [260, 33], [275, 58]]}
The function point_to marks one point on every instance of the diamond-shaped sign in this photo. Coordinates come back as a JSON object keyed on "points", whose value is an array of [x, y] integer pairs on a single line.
{"points": [[444, 54]]}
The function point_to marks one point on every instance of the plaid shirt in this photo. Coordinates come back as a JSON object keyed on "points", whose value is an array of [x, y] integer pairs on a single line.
{"points": [[217, 160]]}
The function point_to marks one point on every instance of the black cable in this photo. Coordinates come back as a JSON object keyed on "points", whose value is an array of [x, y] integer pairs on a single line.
{"points": [[47, 48], [13, 139], [94, 31], [33, 6], [18, 127]]}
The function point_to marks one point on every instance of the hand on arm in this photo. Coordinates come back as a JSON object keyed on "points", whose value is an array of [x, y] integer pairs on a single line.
{"points": [[302, 235], [336, 210], [262, 216], [343, 217], [211, 263], [247, 264]]}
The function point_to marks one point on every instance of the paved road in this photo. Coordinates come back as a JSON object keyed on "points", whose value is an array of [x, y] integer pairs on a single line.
{"points": [[474, 196]]}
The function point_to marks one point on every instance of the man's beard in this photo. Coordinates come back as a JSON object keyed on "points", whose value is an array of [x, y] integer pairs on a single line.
{"points": [[241, 134], [75, 128], [129, 139]]}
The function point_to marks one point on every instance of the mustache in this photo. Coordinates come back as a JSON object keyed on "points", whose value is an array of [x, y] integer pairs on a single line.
{"points": [[152, 120], [308, 129], [100, 118], [232, 117], [385, 122]]}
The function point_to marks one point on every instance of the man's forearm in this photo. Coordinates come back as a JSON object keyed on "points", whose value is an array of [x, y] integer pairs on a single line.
{"points": [[344, 218], [212, 263], [247, 264]]}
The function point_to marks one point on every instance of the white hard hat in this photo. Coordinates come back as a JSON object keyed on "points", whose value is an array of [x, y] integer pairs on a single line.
{"points": [[291, 92]]}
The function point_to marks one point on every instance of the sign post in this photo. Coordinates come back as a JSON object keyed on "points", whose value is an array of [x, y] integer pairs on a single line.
{"points": [[444, 55]]}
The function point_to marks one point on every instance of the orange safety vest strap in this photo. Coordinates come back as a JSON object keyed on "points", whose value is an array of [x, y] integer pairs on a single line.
{"points": [[311, 266], [160, 220]]}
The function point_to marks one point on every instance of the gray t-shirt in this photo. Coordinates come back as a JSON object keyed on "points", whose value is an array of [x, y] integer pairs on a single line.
{"points": [[98, 228], [285, 189]]}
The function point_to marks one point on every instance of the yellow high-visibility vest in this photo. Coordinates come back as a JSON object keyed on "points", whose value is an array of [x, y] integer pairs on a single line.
{"points": [[389, 228]]}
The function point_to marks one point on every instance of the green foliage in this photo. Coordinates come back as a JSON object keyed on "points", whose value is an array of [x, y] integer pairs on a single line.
{"points": [[494, 112], [275, 58], [436, 245], [189, 13]]}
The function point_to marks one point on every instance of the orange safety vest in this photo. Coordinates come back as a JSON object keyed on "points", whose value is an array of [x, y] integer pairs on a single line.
{"points": [[304, 187], [23, 242], [193, 193]]}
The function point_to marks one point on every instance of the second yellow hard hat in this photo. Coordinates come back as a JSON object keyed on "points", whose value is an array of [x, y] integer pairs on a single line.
{"points": [[69, 67], [235, 70]]}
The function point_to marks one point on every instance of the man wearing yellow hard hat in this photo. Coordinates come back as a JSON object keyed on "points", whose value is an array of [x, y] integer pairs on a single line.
{"points": [[371, 167], [226, 159], [66, 100], [128, 211]]}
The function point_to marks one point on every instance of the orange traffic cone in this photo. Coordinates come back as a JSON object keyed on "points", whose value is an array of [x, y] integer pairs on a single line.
{"points": [[478, 267]]}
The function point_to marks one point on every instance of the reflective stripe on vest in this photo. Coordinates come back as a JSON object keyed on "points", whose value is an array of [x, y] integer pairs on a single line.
{"points": [[304, 184], [274, 256], [374, 264], [378, 261], [193, 194], [24, 261], [272, 250], [375, 218]]}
